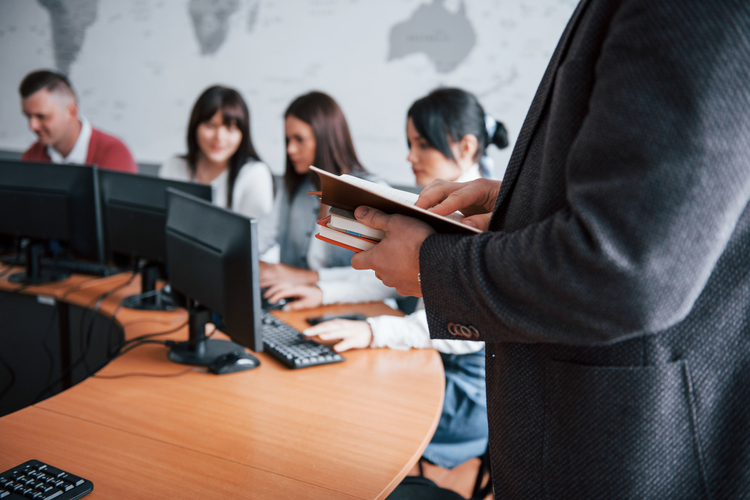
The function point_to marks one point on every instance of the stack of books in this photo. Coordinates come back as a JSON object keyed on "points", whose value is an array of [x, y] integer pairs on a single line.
{"points": [[341, 228], [344, 193]]}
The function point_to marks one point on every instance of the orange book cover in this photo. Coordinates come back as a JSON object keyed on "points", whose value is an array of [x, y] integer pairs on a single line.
{"points": [[331, 233]]}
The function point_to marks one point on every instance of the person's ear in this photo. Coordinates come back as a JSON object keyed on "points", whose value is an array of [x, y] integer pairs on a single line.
{"points": [[467, 149], [72, 110]]}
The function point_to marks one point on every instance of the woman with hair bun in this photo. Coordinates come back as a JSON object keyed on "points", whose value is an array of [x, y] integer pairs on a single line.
{"points": [[448, 134]]}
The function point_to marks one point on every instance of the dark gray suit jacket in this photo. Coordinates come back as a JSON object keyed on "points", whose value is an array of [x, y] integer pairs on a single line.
{"points": [[613, 287]]}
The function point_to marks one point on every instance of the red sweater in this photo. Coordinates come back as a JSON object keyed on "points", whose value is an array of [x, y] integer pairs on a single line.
{"points": [[105, 151]]}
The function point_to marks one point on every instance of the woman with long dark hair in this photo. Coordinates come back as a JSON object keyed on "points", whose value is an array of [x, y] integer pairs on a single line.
{"points": [[316, 134], [221, 154]]}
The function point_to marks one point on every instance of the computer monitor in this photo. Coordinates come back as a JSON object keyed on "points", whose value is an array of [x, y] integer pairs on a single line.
{"points": [[212, 254], [47, 201], [134, 216]]}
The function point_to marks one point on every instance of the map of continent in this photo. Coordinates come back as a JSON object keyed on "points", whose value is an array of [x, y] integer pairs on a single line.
{"points": [[211, 22], [446, 38], [70, 19]]}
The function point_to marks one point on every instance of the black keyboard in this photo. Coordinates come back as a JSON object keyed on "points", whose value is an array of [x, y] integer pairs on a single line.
{"points": [[82, 267], [289, 346], [37, 480], [72, 266]]}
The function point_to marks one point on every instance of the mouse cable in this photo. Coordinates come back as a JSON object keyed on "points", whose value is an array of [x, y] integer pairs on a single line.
{"points": [[145, 339], [124, 348], [152, 335], [85, 347], [85, 335], [172, 343]]}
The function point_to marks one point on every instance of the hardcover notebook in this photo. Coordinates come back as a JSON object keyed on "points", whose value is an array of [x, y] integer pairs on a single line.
{"points": [[341, 238], [347, 192], [346, 222]]}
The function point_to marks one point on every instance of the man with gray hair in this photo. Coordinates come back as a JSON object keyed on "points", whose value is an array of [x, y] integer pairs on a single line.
{"points": [[63, 135]]}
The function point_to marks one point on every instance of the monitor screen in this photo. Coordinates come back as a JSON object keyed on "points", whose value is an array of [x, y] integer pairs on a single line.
{"points": [[212, 254], [48, 201], [134, 212], [134, 217]]}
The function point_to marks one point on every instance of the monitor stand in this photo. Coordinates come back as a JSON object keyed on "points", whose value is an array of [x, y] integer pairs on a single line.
{"points": [[35, 274], [200, 350], [150, 299]]}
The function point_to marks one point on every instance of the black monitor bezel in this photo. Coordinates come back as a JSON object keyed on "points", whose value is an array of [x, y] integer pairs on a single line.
{"points": [[117, 201], [76, 216], [233, 289]]}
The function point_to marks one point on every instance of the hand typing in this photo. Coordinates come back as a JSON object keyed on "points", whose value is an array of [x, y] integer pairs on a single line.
{"points": [[349, 334], [309, 296], [274, 274]]}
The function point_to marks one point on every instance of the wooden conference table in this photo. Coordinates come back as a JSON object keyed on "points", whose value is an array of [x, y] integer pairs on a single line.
{"points": [[349, 430]]}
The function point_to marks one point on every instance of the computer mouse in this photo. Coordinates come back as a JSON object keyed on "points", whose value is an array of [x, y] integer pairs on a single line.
{"points": [[266, 305], [233, 362], [280, 304]]}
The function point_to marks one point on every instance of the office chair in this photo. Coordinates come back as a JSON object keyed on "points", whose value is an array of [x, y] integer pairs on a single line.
{"points": [[479, 492], [421, 488]]}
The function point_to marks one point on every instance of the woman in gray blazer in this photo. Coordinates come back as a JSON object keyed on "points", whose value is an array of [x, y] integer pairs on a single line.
{"points": [[316, 134]]}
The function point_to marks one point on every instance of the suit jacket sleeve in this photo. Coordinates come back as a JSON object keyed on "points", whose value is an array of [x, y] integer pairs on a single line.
{"points": [[656, 180]]}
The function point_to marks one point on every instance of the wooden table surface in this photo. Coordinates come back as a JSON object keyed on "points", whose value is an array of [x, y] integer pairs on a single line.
{"points": [[144, 427]]}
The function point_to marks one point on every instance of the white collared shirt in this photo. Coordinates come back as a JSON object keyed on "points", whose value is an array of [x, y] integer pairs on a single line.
{"points": [[80, 150]]}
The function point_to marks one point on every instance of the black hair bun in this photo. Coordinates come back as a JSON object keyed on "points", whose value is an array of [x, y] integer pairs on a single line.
{"points": [[500, 137]]}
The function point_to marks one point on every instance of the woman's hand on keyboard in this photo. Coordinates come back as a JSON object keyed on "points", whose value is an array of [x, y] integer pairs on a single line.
{"points": [[306, 296], [349, 334], [277, 274]]}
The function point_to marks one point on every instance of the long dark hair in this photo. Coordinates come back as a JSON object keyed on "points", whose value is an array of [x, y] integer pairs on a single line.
{"points": [[334, 150], [235, 112], [453, 113]]}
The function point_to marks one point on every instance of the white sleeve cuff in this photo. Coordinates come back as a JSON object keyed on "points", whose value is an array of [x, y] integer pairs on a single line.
{"points": [[335, 273], [360, 286], [412, 331]]}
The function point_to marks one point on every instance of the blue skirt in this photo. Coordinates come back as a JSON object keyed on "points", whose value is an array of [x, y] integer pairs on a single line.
{"points": [[462, 432]]}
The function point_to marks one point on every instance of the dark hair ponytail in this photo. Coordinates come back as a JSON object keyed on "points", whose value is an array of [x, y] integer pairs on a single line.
{"points": [[496, 131], [446, 115]]}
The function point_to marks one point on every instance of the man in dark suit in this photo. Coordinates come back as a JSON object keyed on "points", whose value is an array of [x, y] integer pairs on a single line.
{"points": [[613, 283]]}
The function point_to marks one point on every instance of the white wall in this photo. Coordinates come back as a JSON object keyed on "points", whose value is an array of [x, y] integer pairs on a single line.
{"points": [[140, 66]]}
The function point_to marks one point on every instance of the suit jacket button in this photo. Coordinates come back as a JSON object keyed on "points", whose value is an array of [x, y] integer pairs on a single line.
{"points": [[467, 332]]}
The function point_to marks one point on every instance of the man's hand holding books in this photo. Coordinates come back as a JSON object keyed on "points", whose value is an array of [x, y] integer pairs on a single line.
{"points": [[396, 258]]}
